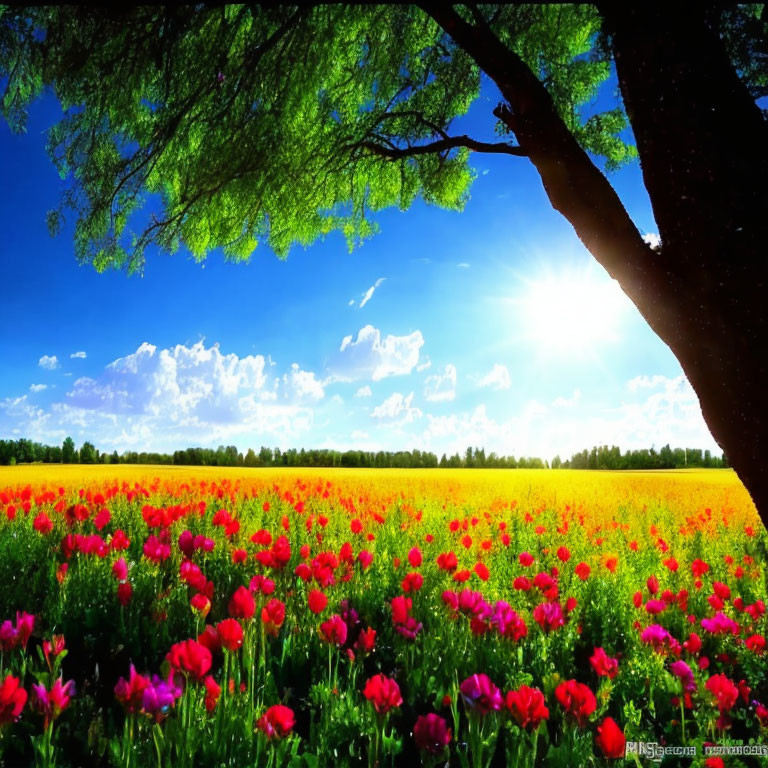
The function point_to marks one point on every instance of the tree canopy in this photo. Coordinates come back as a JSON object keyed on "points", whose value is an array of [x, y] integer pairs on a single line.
{"points": [[275, 125]]}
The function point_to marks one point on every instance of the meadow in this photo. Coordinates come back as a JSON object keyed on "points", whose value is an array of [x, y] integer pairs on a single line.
{"points": [[161, 616]]}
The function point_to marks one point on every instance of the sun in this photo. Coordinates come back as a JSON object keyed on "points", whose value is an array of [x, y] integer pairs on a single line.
{"points": [[572, 313]]}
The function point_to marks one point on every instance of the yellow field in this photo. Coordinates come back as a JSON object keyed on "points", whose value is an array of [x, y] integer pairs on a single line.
{"points": [[599, 495]]}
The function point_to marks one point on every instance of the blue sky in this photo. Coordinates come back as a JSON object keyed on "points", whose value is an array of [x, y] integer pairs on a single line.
{"points": [[489, 327]]}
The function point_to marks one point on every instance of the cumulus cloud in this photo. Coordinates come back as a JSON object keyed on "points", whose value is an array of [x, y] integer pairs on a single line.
{"points": [[78, 355], [162, 398], [497, 378], [372, 357], [38, 387], [441, 386], [364, 392], [302, 385], [397, 407], [49, 362]]}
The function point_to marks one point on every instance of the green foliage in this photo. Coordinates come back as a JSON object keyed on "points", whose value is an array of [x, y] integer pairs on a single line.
{"points": [[270, 125]]}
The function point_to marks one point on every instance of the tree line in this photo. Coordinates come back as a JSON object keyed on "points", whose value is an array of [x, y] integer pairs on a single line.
{"points": [[24, 451]]}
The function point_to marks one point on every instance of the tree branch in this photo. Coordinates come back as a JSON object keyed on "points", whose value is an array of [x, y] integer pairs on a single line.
{"points": [[443, 145]]}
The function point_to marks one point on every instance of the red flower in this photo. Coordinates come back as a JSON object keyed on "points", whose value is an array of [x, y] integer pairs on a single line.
{"points": [[725, 692], [527, 706], [130, 692], [317, 601], [526, 559], [610, 739], [242, 605], [190, 657], [481, 569], [699, 568], [577, 700], [42, 524], [334, 631], [120, 569], [431, 733], [212, 692], [401, 609], [365, 558], [414, 557], [124, 592], [603, 665], [209, 638], [366, 640], [383, 693], [582, 570], [201, 604], [447, 561], [273, 616], [276, 722], [52, 703], [412, 582], [563, 554], [549, 616], [230, 634], [12, 700]]}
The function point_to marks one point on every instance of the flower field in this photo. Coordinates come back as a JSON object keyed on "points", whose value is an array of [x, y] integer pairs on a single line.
{"points": [[212, 617]]}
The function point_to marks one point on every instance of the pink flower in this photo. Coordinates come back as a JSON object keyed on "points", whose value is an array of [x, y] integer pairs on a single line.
{"points": [[431, 733], [480, 694]]}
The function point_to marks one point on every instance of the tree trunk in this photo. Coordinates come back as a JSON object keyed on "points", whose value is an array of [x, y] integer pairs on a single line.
{"points": [[703, 149]]}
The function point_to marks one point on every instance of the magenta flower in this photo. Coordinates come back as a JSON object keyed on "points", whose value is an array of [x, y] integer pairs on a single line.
{"points": [[683, 671], [480, 694], [720, 624], [431, 733]]}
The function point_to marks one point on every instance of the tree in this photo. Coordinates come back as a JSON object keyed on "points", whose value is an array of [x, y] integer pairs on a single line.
{"points": [[88, 453], [283, 124], [68, 453]]}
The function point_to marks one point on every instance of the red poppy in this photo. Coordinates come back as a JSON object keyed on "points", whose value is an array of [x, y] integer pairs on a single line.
{"points": [[190, 657], [230, 634], [383, 693], [212, 693], [276, 722], [317, 601], [273, 616], [527, 706], [12, 700], [611, 739], [577, 700], [582, 570], [603, 664], [241, 604], [334, 631]]}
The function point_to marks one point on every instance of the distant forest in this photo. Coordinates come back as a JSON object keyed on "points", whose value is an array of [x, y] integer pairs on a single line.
{"points": [[24, 451]]}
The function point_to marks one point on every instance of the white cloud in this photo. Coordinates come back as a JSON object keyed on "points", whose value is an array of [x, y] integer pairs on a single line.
{"points": [[463, 265], [371, 357], [302, 385], [364, 392], [647, 382], [351, 303], [397, 406], [653, 239], [497, 378], [567, 402], [38, 387], [78, 355], [423, 366], [359, 434], [48, 362], [160, 399], [369, 293], [441, 386]]}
